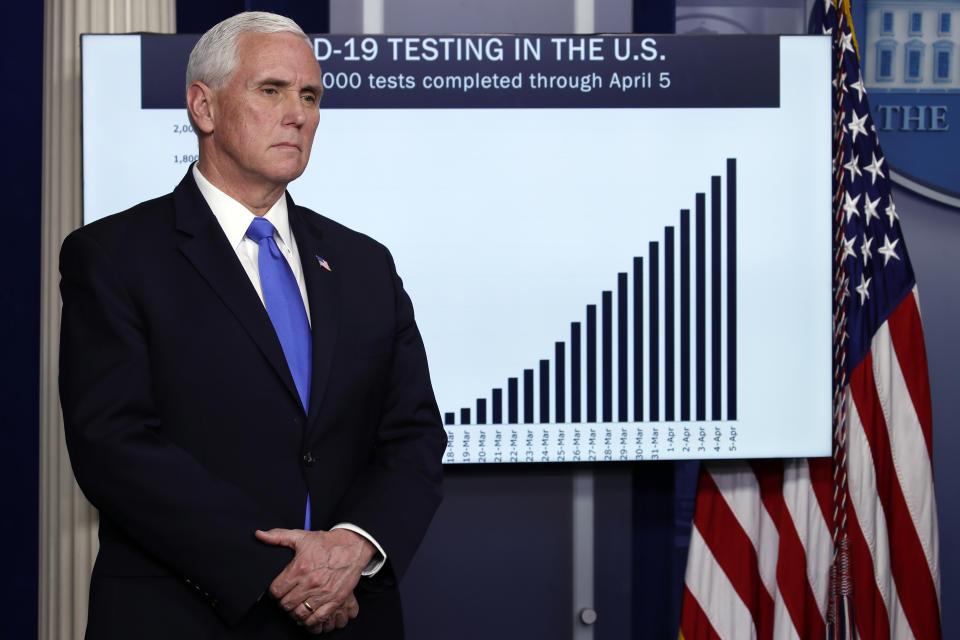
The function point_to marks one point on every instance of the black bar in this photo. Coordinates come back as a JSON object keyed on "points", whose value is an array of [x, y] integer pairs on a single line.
{"points": [[575, 372], [512, 400], [715, 297], [701, 293], [622, 347], [591, 363], [465, 415], [607, 364], [654, 323], [685, 314], [561, 365], [668, 318], [649, 16], [481, 411], [449, 418], [528, 396], [544, 391], [731, 289], [638, 339], [498, 406]]}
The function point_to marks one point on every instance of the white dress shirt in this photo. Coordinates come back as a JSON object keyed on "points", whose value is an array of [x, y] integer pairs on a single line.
{"points": [[235, 219]]}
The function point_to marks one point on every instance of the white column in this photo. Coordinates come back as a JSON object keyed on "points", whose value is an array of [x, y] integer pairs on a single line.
{"points": [[373, 18], [584, 16], [583, 550], [68, 524]]}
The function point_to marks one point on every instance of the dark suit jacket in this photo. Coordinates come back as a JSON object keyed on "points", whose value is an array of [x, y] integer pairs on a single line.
{"points": [[185, 430]]}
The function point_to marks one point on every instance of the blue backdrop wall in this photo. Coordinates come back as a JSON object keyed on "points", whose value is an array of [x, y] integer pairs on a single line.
{"points": [[20, 317]]}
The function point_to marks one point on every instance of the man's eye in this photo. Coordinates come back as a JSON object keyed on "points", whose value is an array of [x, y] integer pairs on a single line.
{"points": [[269, 91], [309, 98]]}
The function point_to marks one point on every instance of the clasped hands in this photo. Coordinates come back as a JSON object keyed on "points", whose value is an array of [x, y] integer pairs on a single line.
{"points": [[316, 588]]}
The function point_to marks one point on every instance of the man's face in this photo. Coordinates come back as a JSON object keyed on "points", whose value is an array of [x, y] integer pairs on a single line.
{"points": [[266, 114]]}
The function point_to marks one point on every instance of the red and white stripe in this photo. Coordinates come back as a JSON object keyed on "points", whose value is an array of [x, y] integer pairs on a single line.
{"points": [[761, 546]]}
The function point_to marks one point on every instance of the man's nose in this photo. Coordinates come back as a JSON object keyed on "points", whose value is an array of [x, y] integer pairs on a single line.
{"points": [[295, 112]]}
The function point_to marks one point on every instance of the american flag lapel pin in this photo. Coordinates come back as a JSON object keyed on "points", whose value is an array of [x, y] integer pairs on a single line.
{"points": [[323, 263]]}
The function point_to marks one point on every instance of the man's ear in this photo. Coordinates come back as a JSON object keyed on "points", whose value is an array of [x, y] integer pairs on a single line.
{"points": [[200, 104]]}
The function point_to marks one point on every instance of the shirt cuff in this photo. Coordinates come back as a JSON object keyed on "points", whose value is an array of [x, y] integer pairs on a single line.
{"points": [[379, 559]]}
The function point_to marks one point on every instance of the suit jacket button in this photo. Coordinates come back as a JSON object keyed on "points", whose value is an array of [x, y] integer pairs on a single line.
{"points": [[308, 459]]}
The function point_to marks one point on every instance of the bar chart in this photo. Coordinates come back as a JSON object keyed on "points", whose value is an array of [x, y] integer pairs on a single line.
{"points": [[643, 371]]}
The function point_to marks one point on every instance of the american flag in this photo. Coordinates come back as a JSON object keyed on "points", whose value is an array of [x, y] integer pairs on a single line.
{"points": [[843, 547]]}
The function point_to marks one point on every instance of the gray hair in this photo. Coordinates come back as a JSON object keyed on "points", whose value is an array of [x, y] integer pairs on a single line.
{"points": [[214, 57]]}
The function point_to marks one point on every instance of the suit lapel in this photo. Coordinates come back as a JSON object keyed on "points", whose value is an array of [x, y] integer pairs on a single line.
{"points": [[207, 249], [323, 294]]}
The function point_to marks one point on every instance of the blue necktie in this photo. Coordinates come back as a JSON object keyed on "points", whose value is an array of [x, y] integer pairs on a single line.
{"points": [[281, 295]]}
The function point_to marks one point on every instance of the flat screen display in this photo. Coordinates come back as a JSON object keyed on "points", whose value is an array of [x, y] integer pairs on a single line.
{"points": [[618, 247]]}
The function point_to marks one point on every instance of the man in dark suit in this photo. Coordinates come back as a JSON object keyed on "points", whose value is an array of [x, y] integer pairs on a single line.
{"points": [[244, 389]]}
